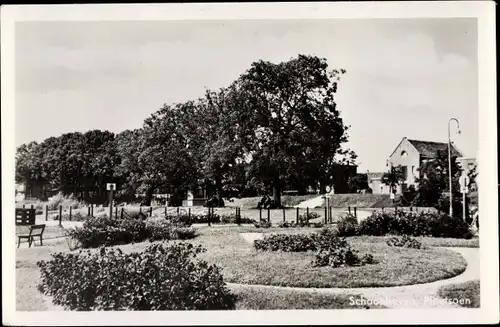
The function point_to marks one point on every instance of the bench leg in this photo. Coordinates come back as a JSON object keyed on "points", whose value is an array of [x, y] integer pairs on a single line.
{"points": [[30, 240], [41, 244], [18, 242]]}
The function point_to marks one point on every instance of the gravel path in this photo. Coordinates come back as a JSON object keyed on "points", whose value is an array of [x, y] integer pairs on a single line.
{"points": [[410, 296]]}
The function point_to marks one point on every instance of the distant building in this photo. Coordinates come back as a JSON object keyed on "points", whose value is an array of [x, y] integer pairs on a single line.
{"points": [[410, 155], [375, 183]]}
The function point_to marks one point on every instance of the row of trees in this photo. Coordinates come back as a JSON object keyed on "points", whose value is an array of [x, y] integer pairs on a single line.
{"points": [[277, 126]]}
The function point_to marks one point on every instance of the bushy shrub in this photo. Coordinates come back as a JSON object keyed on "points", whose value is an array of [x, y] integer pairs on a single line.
{"points": [[347, 225], [262, 224], [405, 241], [180, 220], [97, 231], [163, 277], [183, 233], [75, 216], [378, 224], [286, 243], [335, 252], [305, 217], [158, 229], [65, 201], [232, 219], [331, 250], [433, 224], [293, 224]]}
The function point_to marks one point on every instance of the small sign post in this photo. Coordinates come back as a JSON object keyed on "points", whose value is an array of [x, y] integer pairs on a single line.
{"points": [[464, 188], [110, 187]]}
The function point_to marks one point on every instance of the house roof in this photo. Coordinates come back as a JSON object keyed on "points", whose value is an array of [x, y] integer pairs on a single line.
{"points": [[429, 149]]}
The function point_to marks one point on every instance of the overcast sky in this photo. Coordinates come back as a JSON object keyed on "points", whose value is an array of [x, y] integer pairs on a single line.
{"points": [[405, 77]]}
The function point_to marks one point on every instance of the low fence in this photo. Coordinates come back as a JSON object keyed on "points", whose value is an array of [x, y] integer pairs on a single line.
{"points": [[304, 215]]}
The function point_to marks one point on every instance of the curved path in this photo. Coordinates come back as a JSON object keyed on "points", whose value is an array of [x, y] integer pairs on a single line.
{"points": [[408, 296]]}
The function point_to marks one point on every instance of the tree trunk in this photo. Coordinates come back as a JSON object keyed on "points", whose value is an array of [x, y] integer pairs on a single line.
{"points": [[218, 185], [277, 191], [149, 196]]}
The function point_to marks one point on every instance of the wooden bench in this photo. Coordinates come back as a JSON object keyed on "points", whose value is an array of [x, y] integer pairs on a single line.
{"points": [[35, 230]]}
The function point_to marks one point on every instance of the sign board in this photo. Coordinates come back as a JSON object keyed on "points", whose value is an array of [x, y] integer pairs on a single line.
{"points": [[110, 186], [328, 189], [464, 181], [464, 190]]}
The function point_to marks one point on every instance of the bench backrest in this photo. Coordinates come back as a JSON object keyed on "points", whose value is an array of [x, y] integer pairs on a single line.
{"points": [[37, 229]]}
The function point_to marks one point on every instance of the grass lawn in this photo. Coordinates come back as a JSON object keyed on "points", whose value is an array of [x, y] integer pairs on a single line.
{"points": [[28, 298], [274, 299], [241, 263], [465, 294], [427, 241]]}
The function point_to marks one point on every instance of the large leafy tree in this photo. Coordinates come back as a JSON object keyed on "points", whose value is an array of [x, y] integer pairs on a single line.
{"points": [[167, 160], [296, 126]]}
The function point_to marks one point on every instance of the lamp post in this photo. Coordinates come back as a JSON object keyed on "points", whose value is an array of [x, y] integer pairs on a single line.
{"points": [[449, 160]]}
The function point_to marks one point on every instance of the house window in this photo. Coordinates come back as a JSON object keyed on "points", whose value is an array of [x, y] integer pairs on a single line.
{"points": [[404, 154], [413, 170], [404, 170]]}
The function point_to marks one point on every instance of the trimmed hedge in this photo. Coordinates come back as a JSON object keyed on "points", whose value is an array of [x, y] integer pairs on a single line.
{"points": [[163, 277], [415, 224], [99, 231]]}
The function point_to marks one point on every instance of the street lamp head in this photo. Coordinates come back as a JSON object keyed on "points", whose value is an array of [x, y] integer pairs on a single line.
{"points": [[459, 132]]}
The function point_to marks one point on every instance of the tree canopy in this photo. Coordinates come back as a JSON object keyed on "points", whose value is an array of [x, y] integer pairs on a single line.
{"points": [[276, 126]]}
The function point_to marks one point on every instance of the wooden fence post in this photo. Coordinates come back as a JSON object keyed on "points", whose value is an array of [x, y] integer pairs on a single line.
{"points": [[326, 215], [209, 214], [121, 213], [151, 212], [46, 212], [116, 212], [238, 220], [24, 206], [284, 215], [349, 208], [268, 215], [165, 211], [32, 207], [60, 215], [88, 211], [355, 214], [307, 215], [70, 209], [178, 211], [260, 214], [330, 213], [297, 217], [92, 210]]}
